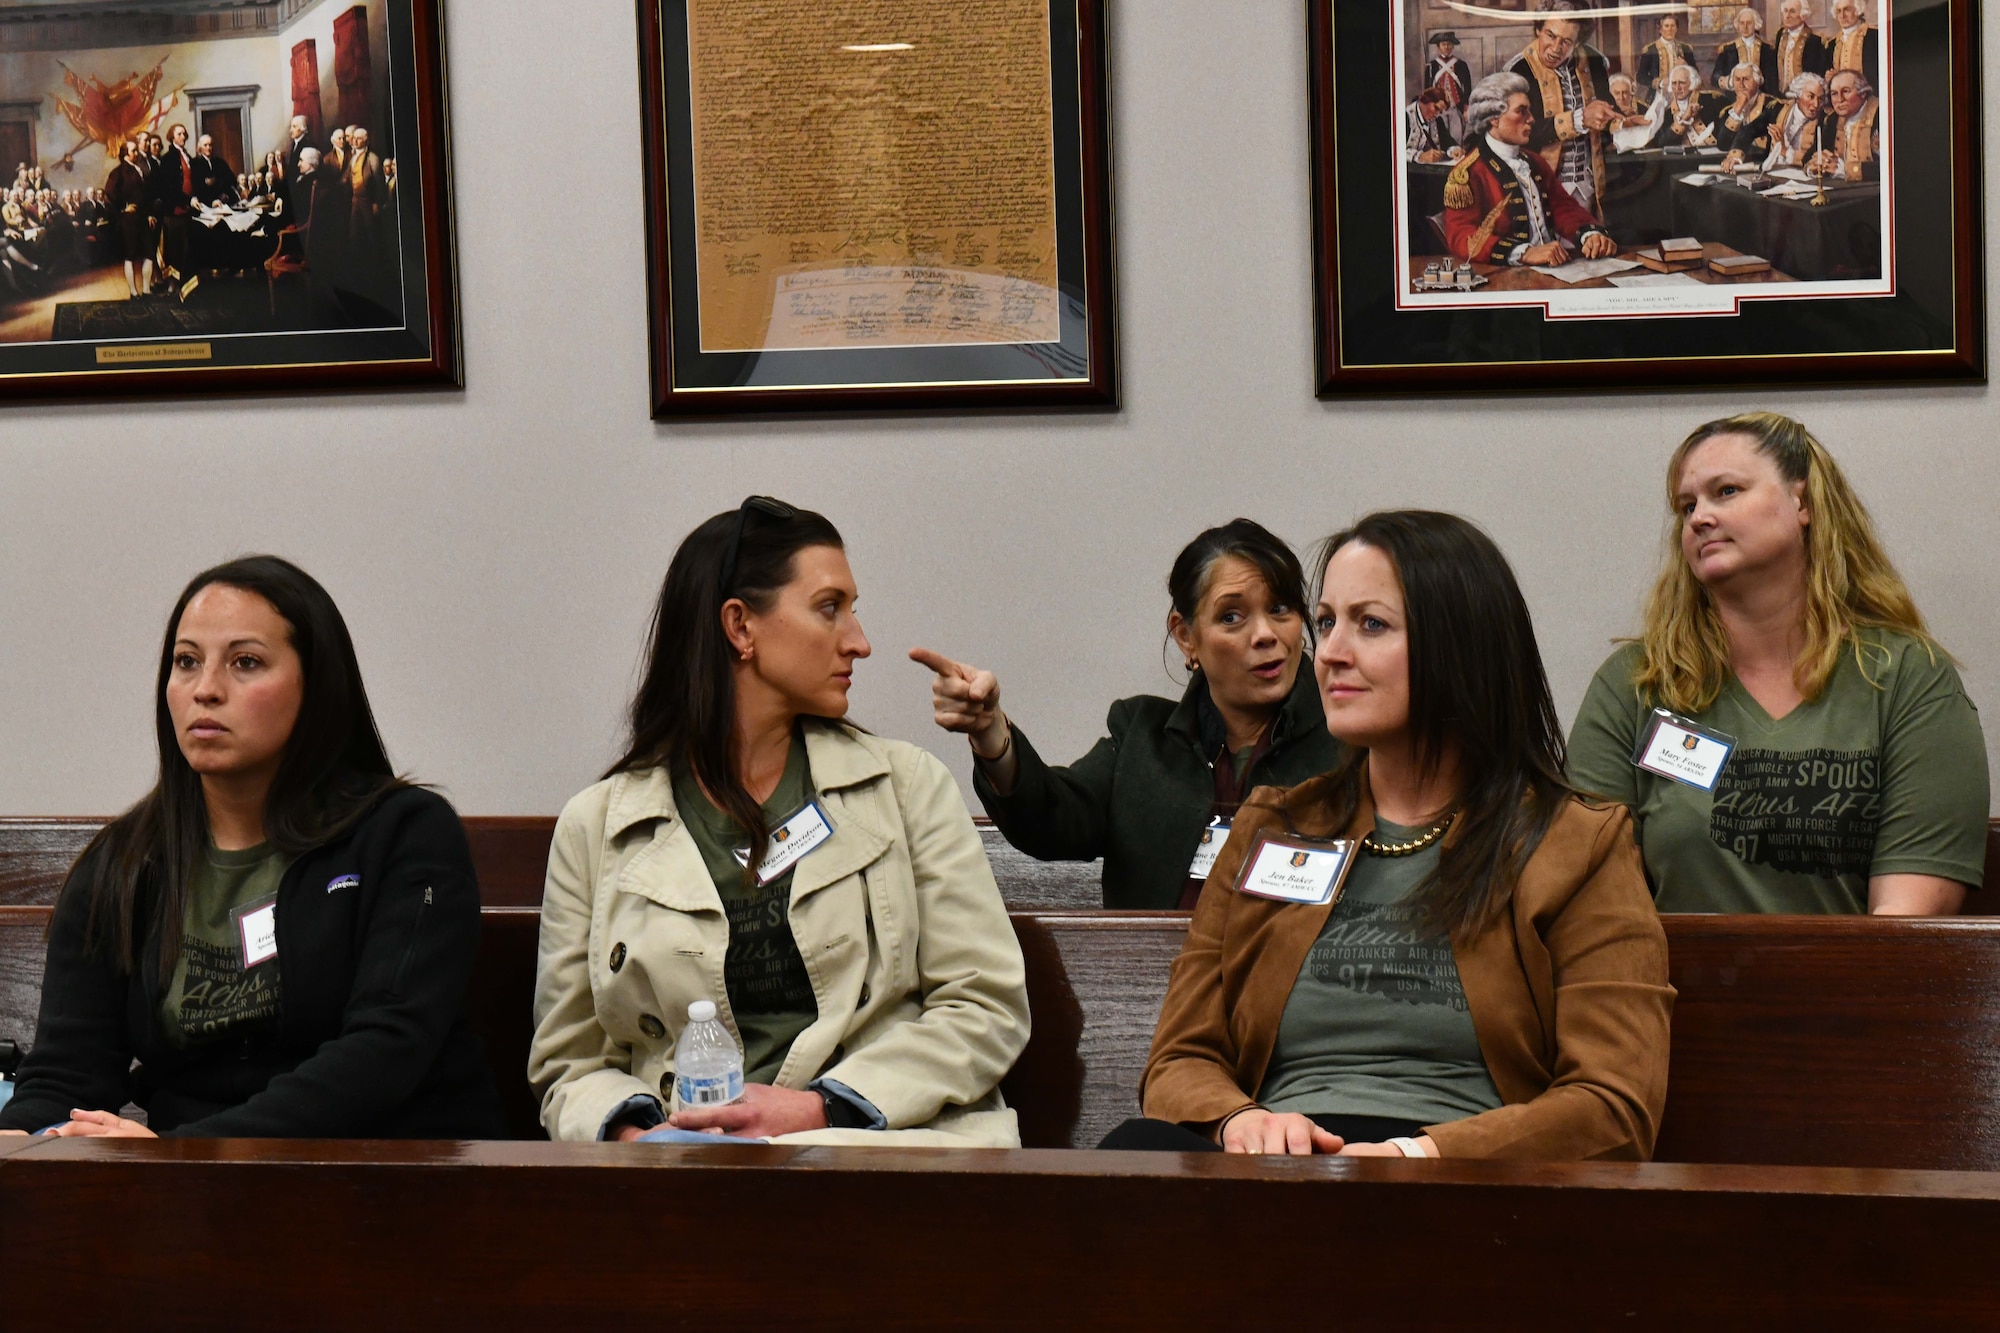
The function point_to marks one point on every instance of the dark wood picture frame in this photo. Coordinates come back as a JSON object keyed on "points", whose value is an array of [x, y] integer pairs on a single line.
{"points": [[690, 382], [1933, 329], [425, 352]]}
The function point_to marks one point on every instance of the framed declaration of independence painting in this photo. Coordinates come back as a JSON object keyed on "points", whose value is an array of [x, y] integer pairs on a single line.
{"points": [[211, 196], [878, 204], [1568, 194]]}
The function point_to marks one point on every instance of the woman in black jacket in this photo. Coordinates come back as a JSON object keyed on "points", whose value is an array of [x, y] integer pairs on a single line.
{"points": [[276, 941], [1154, 797]]}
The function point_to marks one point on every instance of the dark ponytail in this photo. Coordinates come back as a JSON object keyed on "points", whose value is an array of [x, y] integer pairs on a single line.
{"points": [[685, 710]]}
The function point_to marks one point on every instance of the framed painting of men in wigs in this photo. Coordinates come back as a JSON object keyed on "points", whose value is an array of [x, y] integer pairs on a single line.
{"points": [[875, 205], [210, 196], [1584, 194]]}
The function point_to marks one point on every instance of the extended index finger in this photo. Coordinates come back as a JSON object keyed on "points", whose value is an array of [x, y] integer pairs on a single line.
{"points": [[937, 662]]}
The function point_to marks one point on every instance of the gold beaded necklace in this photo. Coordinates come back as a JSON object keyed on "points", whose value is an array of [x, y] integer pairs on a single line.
{"points": [[1410, 848]]}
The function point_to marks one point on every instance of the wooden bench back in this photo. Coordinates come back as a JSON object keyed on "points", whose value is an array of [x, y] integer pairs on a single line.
{"points": [[1796, 1040], [1803, 1041], [511, 856]]}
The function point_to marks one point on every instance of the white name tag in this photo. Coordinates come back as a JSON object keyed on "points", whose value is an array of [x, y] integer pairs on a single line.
{"points": [[1210, 847], [1297, 872], [791, 842], [259, 929], [1675, 748]]}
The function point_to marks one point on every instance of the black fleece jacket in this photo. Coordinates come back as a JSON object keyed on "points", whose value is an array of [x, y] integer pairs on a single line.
{"points": [[376, 932]]}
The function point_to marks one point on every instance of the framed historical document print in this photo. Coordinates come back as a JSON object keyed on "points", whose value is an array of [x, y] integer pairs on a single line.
{"points": [[874, 204], [209, 196], [1566, 194]]}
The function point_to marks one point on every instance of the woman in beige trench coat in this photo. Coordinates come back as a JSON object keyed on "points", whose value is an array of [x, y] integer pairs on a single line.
{"points": [[873, 983]]}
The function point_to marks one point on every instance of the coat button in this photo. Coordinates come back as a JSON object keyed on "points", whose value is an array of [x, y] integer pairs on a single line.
{"points": [[652, 1026], [617, 956], [864, 992]]}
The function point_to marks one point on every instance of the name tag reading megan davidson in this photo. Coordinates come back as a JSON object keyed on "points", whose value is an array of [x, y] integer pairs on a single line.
{"points": [[791, 842], [1297, 870], [1674, 747]]}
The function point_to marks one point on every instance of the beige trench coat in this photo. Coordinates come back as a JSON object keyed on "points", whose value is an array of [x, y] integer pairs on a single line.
{"points": [[922, 992]]}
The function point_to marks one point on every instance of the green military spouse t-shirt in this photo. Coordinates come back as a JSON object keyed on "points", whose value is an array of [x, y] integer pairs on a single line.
{"points": [[1884, 773], [770, 994], [1377, 1023], [211, 996]]}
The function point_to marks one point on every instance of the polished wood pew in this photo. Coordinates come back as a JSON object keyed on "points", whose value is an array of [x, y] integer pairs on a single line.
{"points": [[1847, 1041], [512, 853], [511, 856], [419, 1236]]}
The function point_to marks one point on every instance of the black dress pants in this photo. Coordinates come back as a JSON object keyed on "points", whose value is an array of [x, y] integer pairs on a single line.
{"points": [[1166, 1136]]}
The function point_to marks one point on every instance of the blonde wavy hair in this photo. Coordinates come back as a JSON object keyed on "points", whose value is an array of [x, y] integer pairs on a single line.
{"points": [[1850, 584]]}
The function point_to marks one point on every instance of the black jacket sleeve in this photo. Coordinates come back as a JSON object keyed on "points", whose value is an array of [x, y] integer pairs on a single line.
{"points": [[1058, 814], [414, 961], [82, 1055]]}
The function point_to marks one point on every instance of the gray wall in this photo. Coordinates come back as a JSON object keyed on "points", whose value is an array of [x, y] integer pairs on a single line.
{"points": [[496, 552]]}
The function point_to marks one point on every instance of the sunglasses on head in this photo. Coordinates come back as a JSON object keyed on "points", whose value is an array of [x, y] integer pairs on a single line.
{"points": [[764, 505]]}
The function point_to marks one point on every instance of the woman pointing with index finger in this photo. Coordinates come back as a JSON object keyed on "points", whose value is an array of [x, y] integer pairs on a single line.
{"points": [[1154, 797]]}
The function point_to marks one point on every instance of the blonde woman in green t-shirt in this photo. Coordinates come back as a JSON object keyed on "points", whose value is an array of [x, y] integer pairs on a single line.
{"points": [[1857, 779]]}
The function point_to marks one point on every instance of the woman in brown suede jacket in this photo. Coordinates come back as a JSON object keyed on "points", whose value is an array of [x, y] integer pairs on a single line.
{"points": [[1437, 949]]}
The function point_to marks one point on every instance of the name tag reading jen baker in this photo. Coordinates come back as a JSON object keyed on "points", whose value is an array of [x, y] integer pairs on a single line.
{"points": [[1297, 871], [1685, 751], [791, 842]]}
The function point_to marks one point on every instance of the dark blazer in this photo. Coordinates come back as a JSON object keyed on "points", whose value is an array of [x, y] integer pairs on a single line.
{"points": [[1870, 44], [1812, 58], [164, 183], [303, 192], [1664, 137], [1753, 137], [213, 180], [1729, 55], [1593, 76], [372, 1040], [1654, 72], [1142, 796], [290, 155]]}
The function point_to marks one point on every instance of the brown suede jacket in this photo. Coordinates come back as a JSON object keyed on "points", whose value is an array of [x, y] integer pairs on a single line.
{"points": [[1568, 991]]}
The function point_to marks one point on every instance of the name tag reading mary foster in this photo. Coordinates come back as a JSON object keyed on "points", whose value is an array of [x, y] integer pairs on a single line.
{"points": [[1292, 870], [1676, 748], [791, 842]]}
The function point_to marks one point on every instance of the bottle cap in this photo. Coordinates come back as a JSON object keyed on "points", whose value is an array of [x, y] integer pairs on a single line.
{"points": [[701, 1011]]}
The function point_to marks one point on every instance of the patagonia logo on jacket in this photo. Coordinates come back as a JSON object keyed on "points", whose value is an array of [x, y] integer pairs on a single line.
{"points": [[343, 882]]}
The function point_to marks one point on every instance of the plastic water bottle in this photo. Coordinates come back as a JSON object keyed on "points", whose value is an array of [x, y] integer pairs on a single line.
{"points": [[708, 1069]]}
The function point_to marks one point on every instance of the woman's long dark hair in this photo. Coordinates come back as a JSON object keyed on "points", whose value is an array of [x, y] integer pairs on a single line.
{"points": [[685, 710], [333, 770], [1477, 687]]}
